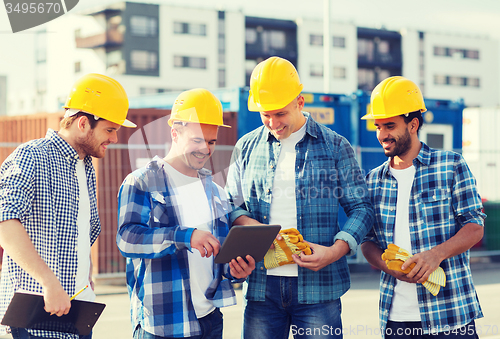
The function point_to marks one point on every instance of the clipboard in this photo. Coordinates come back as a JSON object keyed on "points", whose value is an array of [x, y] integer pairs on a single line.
{"points": [[252, 240], [27, 311]]}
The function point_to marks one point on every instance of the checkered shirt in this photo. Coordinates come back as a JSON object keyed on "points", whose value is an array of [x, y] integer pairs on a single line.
{"points": [[443, 199], [327, 176], [156, 248], [39, 187]]}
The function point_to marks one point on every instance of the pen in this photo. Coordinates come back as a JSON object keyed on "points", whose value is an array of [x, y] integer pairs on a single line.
{"points": [[77, 293]]}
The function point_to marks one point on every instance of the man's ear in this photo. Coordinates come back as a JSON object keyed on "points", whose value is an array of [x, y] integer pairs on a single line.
{"points": [[300, 102], [174, 134], [83, 123], [414, 124]]}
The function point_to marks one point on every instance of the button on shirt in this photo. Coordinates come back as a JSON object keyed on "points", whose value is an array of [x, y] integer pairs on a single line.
{"points": [[327, 176], [444, 198], [39, 187]]}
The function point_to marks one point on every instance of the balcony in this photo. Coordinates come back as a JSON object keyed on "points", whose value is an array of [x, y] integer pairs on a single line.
{"points": [[110, 38]]}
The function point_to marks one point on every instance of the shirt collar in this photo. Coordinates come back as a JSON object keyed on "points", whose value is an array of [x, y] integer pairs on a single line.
{"points": [[423, 157], [64, 147]]}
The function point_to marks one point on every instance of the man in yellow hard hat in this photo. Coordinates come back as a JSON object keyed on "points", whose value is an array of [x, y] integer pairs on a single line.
{"points": [[48, 204], [426, 202], [297, 173], [167, 210]]}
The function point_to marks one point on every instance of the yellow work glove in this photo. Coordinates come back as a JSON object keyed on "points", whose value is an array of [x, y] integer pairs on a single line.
{"points": [[292, 242], [394, 257]]}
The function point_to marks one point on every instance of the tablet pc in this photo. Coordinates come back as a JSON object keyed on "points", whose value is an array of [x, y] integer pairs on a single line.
{"points": [[252, 240]]}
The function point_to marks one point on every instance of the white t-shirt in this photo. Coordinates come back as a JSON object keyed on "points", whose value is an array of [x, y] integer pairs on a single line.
{"points": [[404, 305], [194, 211], [83, 241], [284, 203]]}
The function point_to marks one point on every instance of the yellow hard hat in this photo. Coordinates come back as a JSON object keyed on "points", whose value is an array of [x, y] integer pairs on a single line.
{"points": [[395, 96], [101, 96], [199, 106], [274, 83]]}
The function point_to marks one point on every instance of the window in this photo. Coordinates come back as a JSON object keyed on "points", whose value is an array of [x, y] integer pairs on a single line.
{"points": [[143, 60], [365, 49], [143, 25], [250, 36], [190, 28], [316, 40], [316, 70], [366, 79], [222, 77], [339, 41], [190, 62], [277, 39], [78, 67], [473, 82], [456, 81], [339, 72], [457, 53]]}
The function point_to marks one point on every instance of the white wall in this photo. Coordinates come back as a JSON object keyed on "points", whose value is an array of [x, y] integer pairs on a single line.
{"points": [[340, 57]]}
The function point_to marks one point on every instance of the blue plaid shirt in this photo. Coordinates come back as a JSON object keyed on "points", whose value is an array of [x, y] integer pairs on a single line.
{"points": [[156, 248], [443, 199], [39, 187], [327, 176]]}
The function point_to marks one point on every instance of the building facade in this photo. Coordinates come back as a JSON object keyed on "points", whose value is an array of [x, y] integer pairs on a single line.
{"points": [[155, 48]]}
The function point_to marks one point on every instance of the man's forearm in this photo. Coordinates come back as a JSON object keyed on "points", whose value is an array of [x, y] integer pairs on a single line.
{"points": [[373, 255], [466, 237], [23, 252], [245, 220]]}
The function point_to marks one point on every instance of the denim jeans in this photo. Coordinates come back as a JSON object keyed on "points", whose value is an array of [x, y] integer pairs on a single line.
{"points": [[21, 333], [413, 330], [211, 328], [281, 312]]}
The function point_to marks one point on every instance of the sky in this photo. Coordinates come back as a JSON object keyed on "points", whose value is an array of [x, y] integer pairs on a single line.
{"points": [[463, 17]]}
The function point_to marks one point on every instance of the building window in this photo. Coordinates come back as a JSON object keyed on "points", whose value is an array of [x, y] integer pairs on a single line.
{"points": [[277, 39], [456, 81], [365, 49], [316, 70], [78, 67], [190, 62], [339, 41], [459, 53], [222, 77], [250, 36], [143, 25], [143, 60], [366, 79], [339, 72], [190, 28], [316, 40]]}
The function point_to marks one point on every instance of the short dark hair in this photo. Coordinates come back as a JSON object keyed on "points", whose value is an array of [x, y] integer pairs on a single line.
{"points": [[413, 115], [67, 121]]}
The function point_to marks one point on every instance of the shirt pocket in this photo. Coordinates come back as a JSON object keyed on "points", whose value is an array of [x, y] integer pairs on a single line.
{"points": [[159, 215], [436, 206]]}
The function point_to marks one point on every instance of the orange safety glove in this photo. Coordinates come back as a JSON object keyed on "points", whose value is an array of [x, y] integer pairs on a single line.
{"points": [[292, 242], [394, 257]]}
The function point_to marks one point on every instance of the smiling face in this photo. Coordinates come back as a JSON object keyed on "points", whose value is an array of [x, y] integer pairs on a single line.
{"points": [[394, 136], [192, 146], [285, 121], [95, 141]]}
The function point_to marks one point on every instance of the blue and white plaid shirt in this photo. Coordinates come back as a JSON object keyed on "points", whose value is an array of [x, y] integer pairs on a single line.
{"points": [[39, 187], [156, 248], [443, 199], [327, 176]]}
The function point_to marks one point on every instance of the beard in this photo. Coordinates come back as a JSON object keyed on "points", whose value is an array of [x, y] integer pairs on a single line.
{"points": [[401, 145], [90, 146]]}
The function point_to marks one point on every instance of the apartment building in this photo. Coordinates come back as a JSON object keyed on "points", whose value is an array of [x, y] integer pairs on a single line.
{"points": [[154, 48]]}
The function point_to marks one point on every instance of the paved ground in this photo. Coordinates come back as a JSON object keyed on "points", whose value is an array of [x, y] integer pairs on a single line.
{"points": [[359, 307]]}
